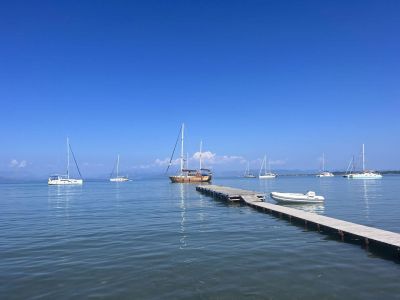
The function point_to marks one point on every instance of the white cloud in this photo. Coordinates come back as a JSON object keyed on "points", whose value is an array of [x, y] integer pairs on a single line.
{"points": [[22, 164], [13, 163], [165, 162], [18, 164], [206, 155], [213, 159]]}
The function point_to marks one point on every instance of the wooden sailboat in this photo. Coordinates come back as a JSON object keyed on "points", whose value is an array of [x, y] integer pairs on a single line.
{"points": [[187, 175], [65, 179], [118, 178]]}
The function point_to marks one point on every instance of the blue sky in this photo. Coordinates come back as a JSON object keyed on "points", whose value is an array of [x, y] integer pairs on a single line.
{"points": [[289, 78]]}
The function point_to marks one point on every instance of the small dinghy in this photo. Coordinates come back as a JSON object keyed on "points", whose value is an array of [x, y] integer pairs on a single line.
{"points": [[309, 197]]}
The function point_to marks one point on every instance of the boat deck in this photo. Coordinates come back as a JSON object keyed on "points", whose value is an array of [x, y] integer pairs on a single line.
{"points": [[369, 235]]}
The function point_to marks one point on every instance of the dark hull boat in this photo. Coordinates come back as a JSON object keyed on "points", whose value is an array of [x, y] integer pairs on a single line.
{"points": [[188, 175], [192, 176]]}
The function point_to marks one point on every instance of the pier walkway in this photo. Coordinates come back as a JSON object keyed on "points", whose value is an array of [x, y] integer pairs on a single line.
{"points": [[344, 229]]}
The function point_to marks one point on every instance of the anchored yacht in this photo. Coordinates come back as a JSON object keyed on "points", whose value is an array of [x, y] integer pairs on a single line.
{"points": [[118, 178], [187, 175], [365, 174], [266, 174], [65, 179], [323, 172]]}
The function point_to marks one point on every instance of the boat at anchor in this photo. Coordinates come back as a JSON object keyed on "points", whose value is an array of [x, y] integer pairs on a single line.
{"points": [[247, 173], [118, 178], [365, 174], [323, 172], [185, 174], [65, 179], [267, 174]]}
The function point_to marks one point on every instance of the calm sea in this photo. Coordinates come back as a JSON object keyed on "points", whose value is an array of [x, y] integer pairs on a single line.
{"points": [[149, 239]]}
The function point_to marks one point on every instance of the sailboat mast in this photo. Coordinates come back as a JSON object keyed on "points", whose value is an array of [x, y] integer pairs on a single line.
{"points": [[363, 158], [68, 157], [117, 165], [201, 146], [265, 164], [323, 162], [183, 130]]}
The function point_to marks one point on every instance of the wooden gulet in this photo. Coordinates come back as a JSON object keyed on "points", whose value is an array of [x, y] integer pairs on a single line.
{"points": [[187, 175]]}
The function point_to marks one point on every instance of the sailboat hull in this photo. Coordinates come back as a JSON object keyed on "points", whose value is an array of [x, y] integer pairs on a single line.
{"points": [[190, 178], [65, 181], [267, 176], [365, 175], [119, 179]]}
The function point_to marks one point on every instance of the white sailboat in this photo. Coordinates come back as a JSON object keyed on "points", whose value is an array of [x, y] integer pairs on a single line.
{"points": [[65, 179], [350, 168], [265, 175], [364, 174], [323, 172], [118, 178], [247, 173]]}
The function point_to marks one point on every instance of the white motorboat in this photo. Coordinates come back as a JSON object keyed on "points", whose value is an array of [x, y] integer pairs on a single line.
{"points": [[323, 172], [265, 174], [309, 197], [364, 174], [65, 179], [118, 178]]}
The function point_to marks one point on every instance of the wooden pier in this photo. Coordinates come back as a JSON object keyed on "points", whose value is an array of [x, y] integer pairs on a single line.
{"points": [[348, 231]]}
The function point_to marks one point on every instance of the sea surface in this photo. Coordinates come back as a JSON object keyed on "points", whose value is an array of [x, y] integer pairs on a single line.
{"points": [[150, 239]]}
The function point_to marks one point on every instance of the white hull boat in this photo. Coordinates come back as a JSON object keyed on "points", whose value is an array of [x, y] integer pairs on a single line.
{"points": [[265, 174], [364, 174], [324, 173], [309, 197], [118, 178], [65, 179], [59, 180], [247, 173]]}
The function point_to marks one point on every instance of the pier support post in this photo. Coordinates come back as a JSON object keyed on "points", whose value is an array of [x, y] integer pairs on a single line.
{"points": [[366, 243], [341, 235]]}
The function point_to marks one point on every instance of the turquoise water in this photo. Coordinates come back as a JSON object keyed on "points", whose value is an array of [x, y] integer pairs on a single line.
{"points": [[150, 239]]}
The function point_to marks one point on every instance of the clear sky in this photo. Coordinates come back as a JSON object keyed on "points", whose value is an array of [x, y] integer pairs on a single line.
{"points": [[289, 78]]}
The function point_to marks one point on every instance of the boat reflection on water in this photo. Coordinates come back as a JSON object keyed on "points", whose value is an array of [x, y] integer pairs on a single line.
{"points": [[311, 207], [59, 197], [183, 192]]}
